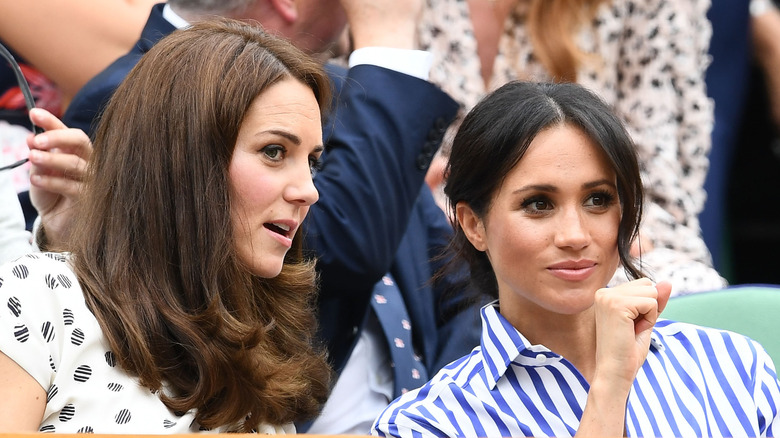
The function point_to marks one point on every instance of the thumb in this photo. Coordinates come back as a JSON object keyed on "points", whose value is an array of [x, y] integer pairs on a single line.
{"points": [[664, 289], [46, 120]]}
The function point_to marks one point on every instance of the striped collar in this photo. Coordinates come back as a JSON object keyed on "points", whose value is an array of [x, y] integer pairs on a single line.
{"points": [[503, 344]]}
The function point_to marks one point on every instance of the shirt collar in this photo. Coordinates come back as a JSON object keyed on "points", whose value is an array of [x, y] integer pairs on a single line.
{"points": [[174, 18], [502, 344]]}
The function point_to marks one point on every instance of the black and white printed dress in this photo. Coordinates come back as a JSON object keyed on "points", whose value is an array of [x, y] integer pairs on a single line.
{"points": [[46, 328]]}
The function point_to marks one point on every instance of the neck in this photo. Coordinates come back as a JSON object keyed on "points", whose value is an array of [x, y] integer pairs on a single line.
{"points": [[571, 336]]}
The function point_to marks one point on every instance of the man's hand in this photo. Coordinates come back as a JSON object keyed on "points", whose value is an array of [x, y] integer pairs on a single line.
{"points": [[59, 159]]}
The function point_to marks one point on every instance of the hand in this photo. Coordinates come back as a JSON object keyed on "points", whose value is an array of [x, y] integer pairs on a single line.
{"points": [[383, 23], [625, 317], [59, 160]]}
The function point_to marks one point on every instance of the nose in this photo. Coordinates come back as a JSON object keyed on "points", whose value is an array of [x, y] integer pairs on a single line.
{"points": [[301, 190], [572, 230]]}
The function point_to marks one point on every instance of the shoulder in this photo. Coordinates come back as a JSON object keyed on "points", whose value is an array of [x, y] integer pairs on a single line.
{"points": [[42, 281], [427, 409], [710, 347], [33, 267], [39, 295]]}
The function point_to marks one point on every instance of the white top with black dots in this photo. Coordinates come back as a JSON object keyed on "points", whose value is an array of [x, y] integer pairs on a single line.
{"points": [[46, 328]]}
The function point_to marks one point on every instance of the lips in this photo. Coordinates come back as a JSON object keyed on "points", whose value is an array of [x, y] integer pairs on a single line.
{"points": [[572, 270], [279, 228]]}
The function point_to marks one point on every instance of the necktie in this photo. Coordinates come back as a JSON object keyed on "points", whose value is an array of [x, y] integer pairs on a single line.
{"points": [[388, 304]]}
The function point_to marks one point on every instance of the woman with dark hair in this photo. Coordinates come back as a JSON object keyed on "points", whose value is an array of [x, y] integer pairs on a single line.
{"points": [[544, 184], [646, 59], [185, 303]]}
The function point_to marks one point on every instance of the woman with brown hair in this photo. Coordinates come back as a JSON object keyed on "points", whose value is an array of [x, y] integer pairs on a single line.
{"points": [[647, 59], [184, 304]]}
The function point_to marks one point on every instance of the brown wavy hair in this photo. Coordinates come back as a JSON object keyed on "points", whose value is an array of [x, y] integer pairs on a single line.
{"points": [[154, 251], [552, 25]]}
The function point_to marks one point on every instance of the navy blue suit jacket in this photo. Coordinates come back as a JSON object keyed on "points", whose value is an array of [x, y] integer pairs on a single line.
{"points": [[375, 215]]}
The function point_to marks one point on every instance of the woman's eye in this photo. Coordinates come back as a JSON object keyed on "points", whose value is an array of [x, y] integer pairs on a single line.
{"points": [[274, 152], [315, 165], [600, 200], [537, 205]]}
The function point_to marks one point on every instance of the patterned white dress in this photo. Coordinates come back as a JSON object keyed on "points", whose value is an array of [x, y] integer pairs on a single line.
{"points": [[46, 328]]}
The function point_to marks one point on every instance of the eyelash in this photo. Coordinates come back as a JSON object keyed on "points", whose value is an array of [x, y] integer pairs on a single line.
{"points": [[315, 163], [608, 200], [274, 148]]}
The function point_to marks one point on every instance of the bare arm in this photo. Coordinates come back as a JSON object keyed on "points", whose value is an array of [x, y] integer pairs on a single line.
{"points": [[380, 23], [22, 399], [71, 41], [625, 317]]}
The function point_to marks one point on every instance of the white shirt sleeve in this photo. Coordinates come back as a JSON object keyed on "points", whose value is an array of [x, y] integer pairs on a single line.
{"points": [[415, 63]]}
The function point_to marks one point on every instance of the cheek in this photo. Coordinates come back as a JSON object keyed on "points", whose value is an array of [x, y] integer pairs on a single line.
{"points": [[606, 233], [516, 239], [253, 188]]}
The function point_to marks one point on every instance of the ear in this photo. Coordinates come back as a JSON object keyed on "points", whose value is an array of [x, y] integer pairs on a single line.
{"points": [[472, 225], [286, 9]]}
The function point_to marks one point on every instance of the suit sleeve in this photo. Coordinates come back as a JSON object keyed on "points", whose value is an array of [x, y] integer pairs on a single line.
{"points": [[380, 138]]}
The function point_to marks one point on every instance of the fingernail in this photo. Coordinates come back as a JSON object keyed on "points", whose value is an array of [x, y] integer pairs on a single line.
{"points": [[42, 140], [34, 155]]}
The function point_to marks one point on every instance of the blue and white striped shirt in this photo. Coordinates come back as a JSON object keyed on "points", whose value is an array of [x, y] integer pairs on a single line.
{"points": [[695, 382]]}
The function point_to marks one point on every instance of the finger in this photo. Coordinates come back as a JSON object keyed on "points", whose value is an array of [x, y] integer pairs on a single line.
{"points": [[57, 163], [73, 141], [46, 120], [56, 184], [642, 287], [664, 292]]}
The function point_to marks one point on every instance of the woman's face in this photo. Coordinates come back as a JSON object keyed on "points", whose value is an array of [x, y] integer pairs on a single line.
{"points": [[270, 173], [550, 232]]}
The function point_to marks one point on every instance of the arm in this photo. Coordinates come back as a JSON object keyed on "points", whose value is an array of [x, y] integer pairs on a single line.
{"points": [[70, 42], [766, 393], [380, 138], [373, 171], [625, 317], [22, 400]]}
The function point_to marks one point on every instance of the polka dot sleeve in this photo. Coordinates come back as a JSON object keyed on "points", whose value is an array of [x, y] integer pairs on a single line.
{"points": [[31, 313]]}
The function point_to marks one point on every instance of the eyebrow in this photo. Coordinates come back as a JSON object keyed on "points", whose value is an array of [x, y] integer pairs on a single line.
{"points": [[288, 135], [293, 138], [553, 189]]}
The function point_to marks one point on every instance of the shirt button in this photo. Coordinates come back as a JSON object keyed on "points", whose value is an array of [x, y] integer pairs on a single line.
{"points": [[541, 357]]}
